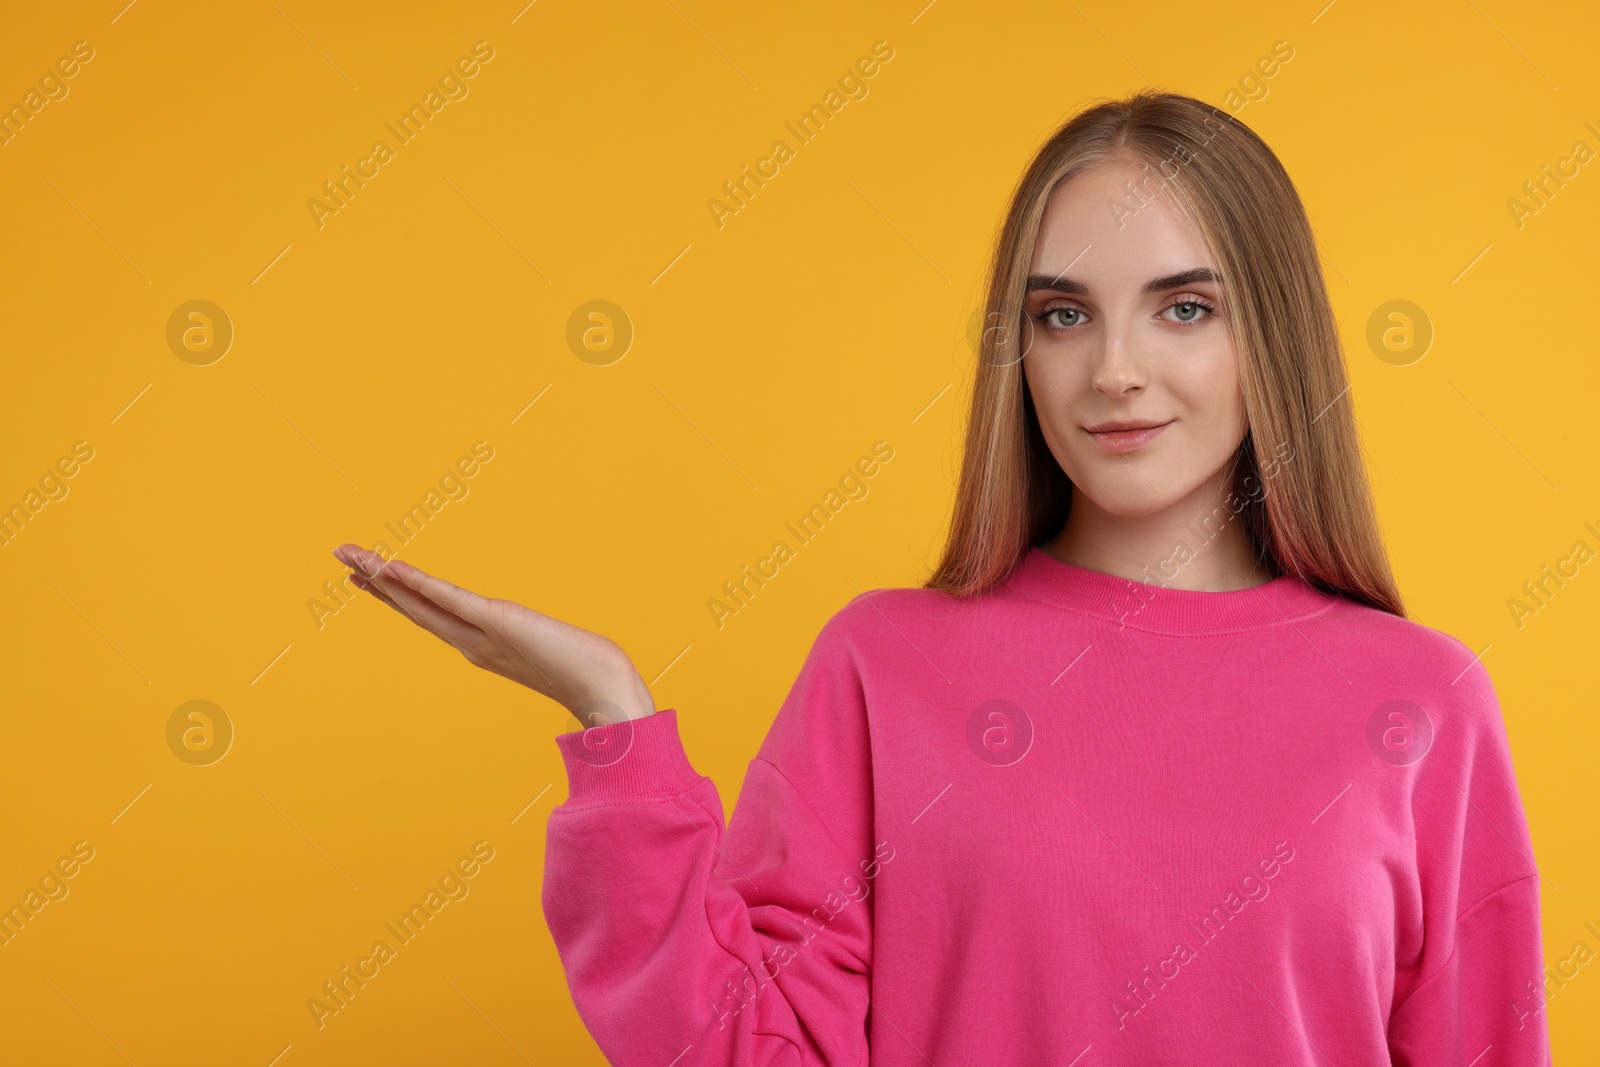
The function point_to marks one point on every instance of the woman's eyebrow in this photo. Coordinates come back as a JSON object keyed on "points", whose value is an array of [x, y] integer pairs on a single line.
{"points": [[1059, 284]]}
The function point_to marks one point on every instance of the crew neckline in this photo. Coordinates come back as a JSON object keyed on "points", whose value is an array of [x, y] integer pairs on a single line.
{"points": [[1131, 604]]}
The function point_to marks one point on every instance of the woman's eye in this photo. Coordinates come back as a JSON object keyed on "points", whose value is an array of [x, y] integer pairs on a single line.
{"points": [[1051, 317], [1189, 311]]}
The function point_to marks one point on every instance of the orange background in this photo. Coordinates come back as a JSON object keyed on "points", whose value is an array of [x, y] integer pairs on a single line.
{"points": [[768, 354]]}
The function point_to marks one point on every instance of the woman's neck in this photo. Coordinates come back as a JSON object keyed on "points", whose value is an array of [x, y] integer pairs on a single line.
{"points": [[1198, 544]]}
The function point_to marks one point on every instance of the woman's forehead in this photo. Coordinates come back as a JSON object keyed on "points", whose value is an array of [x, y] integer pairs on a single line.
{"points": [[1094, 225]]}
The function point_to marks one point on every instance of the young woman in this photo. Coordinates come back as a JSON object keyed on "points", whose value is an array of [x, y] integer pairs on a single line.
{"points": [[1152, 769]]}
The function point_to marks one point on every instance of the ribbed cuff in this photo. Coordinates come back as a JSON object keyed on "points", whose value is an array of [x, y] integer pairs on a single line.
{"points": [[632, 758]]}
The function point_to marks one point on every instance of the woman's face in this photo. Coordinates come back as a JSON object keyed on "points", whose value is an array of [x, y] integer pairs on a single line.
{"points": [[1122, 327]]}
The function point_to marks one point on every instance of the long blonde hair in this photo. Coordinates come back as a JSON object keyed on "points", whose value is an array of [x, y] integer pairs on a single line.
{"points": [[1313, 516]]}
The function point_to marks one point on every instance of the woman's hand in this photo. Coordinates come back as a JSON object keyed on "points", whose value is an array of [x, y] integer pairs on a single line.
{"points": [[586, 673]]}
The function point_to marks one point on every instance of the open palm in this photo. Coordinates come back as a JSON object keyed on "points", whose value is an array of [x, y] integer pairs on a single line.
{"points": [[587, 673]]}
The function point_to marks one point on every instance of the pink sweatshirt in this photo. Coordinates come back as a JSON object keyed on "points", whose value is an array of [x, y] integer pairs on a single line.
{"points": [[1078, 820]]}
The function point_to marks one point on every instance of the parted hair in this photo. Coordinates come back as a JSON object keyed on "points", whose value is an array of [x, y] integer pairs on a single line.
{"points": [[1307, 506]]}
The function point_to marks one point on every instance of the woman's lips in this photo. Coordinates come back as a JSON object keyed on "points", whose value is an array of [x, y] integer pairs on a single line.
{"points": [[1119, 441]]}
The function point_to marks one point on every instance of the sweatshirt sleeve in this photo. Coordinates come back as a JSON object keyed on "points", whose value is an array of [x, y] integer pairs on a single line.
{"points": [[1478, 988], [685, 942]]}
